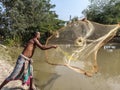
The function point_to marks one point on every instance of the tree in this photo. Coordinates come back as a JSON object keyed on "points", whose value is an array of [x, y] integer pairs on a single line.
{"points": [[24, 17], [103, 11]]}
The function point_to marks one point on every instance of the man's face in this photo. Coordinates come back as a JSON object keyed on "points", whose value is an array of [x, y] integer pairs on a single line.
{"points": [[38, 35]]}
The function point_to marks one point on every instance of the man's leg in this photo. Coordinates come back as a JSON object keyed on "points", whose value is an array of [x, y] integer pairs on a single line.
{"points": [[31, 83], [32, 86], [4, 83]]}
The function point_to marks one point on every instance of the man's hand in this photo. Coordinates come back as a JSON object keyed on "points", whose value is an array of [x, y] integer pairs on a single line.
{"points": [[54, 46]]}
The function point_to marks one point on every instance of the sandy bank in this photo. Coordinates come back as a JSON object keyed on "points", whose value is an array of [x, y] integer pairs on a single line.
{"points": [[6, 68]]}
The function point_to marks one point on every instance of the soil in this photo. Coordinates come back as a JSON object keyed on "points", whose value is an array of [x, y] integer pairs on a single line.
{"points": [[6, 68]]}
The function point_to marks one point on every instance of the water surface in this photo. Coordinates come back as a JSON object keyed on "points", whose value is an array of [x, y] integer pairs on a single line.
{"points": [[48, 77]]}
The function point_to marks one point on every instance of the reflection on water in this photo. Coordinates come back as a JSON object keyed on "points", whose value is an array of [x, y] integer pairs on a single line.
{"points": [[48, 77], [109, 62]]}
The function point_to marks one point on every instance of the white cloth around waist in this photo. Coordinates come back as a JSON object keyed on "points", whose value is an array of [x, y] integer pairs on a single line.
{"points": [[25, 57]]}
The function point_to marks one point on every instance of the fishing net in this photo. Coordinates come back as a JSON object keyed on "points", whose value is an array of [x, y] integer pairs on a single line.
{"points": [[78, 44]]}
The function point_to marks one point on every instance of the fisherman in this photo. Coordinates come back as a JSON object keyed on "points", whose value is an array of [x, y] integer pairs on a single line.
{"points": [[23, 70]]}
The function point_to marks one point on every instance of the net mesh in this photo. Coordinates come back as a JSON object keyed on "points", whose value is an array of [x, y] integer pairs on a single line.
{"points": [[78, 44]]}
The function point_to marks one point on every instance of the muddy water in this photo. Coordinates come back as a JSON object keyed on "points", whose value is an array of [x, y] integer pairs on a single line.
{"points": [[49, 77]]}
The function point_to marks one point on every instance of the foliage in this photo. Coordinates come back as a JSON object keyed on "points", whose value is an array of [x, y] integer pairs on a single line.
{"points": [[23, 17], [103, 11]]}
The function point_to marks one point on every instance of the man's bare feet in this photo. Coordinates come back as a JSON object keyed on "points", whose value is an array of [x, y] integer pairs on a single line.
{"points": [[25, 87], [33, 87]]}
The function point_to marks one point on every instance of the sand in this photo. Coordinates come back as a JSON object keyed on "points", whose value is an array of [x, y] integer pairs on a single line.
{"points": [[5, 70]]}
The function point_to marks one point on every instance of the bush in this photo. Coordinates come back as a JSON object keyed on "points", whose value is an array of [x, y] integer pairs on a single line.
{"points": [[11, 42]]}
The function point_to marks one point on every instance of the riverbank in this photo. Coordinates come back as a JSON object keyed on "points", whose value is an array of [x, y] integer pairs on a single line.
{"points": [[6, 68]]}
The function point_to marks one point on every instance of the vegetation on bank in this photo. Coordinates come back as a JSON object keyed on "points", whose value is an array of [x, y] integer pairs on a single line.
{"points": [[103, 11], [9, 54], [20, 18], [4, 55]]}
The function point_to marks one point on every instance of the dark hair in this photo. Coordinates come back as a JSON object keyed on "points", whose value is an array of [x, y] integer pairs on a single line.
{"points": [[35, 33]]}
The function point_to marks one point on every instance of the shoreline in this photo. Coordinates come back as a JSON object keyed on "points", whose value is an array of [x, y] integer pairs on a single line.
{"points": [[5, 70], [6, 67]]}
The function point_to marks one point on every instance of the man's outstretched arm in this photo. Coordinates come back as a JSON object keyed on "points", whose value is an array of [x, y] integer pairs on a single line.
{"points": [[43, 47]]}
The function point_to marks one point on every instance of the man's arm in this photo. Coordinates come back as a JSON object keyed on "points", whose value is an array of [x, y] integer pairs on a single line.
{"points": [[43, 47]]}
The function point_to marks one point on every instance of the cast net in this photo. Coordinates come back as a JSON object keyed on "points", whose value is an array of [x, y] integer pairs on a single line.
{"points": [[78, 44]]}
